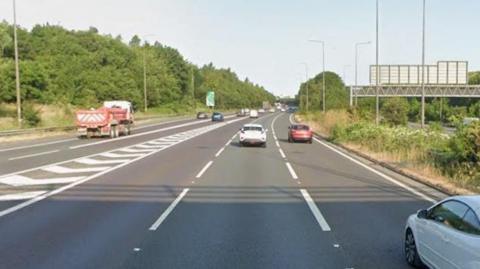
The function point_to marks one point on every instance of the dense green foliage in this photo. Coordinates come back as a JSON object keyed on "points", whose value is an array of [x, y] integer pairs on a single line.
{"points": [[84, 68], [460, 158], [395, 111], [456, 156], [336, 94]]}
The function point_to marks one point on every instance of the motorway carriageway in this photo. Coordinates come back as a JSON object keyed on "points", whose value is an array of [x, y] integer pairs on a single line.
{"points": [[191, 197]]}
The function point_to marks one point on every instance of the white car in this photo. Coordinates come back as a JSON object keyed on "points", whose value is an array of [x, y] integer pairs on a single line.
{"points": [[253, 114], [282, 109], [253, 134], [271, 110], [261, 110], [447, 235]]}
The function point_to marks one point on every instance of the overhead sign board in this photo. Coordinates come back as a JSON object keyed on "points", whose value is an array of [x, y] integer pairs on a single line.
{"points": [[210, 99], [445, 72]]}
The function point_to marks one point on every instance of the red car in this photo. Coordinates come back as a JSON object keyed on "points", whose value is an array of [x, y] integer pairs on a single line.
{"points": [[299, 132]]}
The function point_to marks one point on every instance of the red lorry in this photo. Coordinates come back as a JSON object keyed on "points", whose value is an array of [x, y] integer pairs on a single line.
{"points": [[115, 118]]}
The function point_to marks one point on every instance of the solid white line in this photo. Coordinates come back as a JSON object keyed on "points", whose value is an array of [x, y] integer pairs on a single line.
{"points": [[170, 208], [21, 195], [392, 180], [292, 172], [204, 169], [33, 155], [282, 153], [278, 144], [38, 145], [219, 152], [316, 212]]}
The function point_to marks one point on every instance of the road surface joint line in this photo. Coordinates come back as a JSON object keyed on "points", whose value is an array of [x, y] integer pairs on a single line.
{"points": [[384, 176], [204, 169], [170, 208], [33, 155], [315, 211]]}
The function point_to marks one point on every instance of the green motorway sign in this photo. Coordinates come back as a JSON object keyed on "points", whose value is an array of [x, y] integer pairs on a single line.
{"points": [[210, 100]]}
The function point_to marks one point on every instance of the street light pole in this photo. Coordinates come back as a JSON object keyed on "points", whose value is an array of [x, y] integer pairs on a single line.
{"points": [[377, 73], [306, 82], [145, 98], [193, 90], [423, 67], [345, 82], [145, 80], [356, 67], [17, 70], [323, 72]]}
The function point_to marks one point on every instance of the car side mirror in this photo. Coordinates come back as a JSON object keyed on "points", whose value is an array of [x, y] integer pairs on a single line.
{"points": [[422, 214]]}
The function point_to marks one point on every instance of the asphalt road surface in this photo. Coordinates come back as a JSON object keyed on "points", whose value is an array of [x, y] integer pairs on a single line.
{"points": [[184, 194]]}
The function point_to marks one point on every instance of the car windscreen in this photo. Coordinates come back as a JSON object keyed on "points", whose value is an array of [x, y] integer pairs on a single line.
{"points": [[252, 128], [300, 127]]}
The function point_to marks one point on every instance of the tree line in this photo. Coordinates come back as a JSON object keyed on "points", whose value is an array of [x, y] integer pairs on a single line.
{"points": [[84, 68]]}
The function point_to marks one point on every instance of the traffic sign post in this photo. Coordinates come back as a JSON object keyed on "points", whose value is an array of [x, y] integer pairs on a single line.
{"points": [[210, 100]]}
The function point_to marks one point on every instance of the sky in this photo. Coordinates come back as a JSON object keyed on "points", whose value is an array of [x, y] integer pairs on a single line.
{"points": [[267, 40]]}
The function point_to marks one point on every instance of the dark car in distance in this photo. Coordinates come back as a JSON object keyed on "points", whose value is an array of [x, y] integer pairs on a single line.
{"points": [[202, 115], [217, 116]]}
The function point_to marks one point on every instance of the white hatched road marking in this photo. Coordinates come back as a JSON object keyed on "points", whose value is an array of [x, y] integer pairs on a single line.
{"points": [[132, 150], [18, 180], [21, 195], [95, 161], [55, 167], [146, 133], [147, 146], [116, 155], [66, 170]]}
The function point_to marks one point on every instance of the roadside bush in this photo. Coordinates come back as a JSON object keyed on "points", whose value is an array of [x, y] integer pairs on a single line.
{"points": [[31, 116], [460, 159], [395, 111]]}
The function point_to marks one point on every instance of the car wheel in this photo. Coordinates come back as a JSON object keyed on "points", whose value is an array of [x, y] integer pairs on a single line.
{"points": [[411, 253], [264, 145], [289, 139], [310, 141]]}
